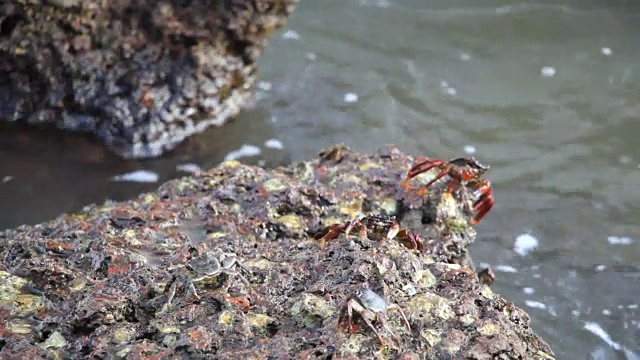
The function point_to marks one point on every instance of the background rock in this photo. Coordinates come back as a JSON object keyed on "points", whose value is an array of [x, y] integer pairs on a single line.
{"points": [[142, 76]]}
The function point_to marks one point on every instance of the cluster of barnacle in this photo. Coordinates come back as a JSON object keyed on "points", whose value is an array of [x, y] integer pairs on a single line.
{"points": [[368, 305], [364, 305]]}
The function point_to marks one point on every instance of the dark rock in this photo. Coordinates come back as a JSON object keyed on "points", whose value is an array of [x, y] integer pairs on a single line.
{"points": [[140, 75], [150, 286]]}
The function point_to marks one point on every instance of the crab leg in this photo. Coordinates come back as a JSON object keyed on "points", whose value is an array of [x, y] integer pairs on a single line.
{"points": [[485, 201], [487, 204], [329, 233], [349, 311], [454, 182], [420, 168], [370, 324], [410, 240], [353, 223], [393, 231], [404, 317], [424, 167], [424, 188]]}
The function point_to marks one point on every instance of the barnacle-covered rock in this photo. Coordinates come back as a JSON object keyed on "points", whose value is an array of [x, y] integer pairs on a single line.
{"points": [[141, 75], [118, 280], [312, 310]]}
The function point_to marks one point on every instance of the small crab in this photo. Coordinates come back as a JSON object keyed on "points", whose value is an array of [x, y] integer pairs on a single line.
{"points": [[204, 267], [210, 265], [377, 226], [463, 172], [371, 308]]}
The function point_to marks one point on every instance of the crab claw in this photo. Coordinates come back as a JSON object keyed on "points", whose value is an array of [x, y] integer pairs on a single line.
{"points": [[410, 239]]}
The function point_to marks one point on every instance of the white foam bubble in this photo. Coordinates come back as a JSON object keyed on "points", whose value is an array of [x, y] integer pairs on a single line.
{"points": [[529, 290], [291, 35], [597, 330], [535, 304], [547, 71], [601, 268], [606, 51], [619, 240], [465, 56], [525, 243], [350, 97], [378, 3], [139, 176], [264, 85], [6, 179], [189, 168], [500, 10], [469, 149], [274, 144], [505, 269], [244, 151], [450, 90], [625, 159]]}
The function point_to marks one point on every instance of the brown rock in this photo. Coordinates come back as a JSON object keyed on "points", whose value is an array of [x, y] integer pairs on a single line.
{"points": [[140, 75], [127, 283]]}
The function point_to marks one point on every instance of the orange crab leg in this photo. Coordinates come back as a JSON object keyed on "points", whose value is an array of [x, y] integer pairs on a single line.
{"points": [[487, 204], [424, 167], [329, 233], [409, 239], [456, 180], [420, 168], [484, 203], [424, 188]]}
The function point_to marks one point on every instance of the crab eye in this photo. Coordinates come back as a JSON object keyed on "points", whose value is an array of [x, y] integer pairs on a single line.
{"points": [[461, 161], [470, 162], [482, 167]]}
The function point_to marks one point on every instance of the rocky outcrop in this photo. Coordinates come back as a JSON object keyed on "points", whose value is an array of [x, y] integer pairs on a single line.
{"points": [[225, 265], [140, 75]]}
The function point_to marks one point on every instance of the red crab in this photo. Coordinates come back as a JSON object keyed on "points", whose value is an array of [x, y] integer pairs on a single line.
{"points": [[464, 172], [372, 226]]}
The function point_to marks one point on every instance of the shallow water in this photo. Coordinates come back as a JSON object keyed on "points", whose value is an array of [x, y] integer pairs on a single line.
{"points": [[546, 92]]}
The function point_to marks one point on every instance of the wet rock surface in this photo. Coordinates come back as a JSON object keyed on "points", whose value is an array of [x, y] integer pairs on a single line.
{"points": [[142, 76], [225, 265]]}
